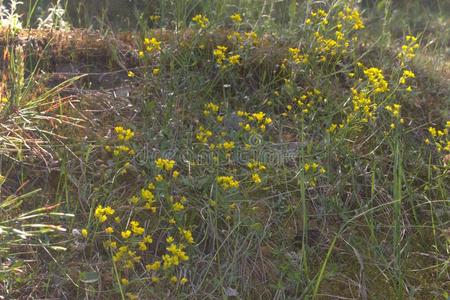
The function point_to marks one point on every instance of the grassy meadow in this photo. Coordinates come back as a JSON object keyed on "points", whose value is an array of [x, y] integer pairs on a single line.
{"points": [[225, 149]]}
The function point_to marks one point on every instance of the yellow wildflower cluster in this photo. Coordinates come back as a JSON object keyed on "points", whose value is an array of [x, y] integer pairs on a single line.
{"points": [[3, 102], [102, 213], [394, 110], [210, 108], [364, 105], [128, 259], [148, 197], [179, 205], [201, 20], [155, 18], [227, 182], [227, 146], [376, 79], [130, 244], [256, 167], [222, 59], [220, 54], [440, 138], [123, 149], [326, 46], [313, 167], [297, 57], [123, 134], [203, 135], [332, 128], [312, 171], [317, 17], [243, 39], [406, 74], [136, 229], [187, 235], [408, 50], [403, 79], [347, 21], [304, 102], [175, 255], [165, 164], [254, 121], [152, 45], [352, 15], [236, 18]]}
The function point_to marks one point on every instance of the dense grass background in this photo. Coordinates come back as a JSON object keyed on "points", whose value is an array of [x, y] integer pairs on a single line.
{"points": [[374, 225]]}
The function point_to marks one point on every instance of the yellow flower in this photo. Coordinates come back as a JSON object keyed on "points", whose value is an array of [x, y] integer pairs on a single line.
{"points": [[201, 20], [136, 229], [126, 234], [155, 279], [307, 167], [227, 182], [174, 279], [234, 59], [165, 164], [175, 174], [154, 266], [131, 74], [332, 128], [236, 18], [183, 280], [177, 206], [132, 296], [109, 230], [297, 57], [377, 80], [187, 235], [155, 18], [220, 54], [147, 239], [123, 135], [142, 246], [159, 178], [134, 200], [152, 45], [228, 145], [124, 281], [101, 213], [84, 232], [256, 178], [155, 71]]}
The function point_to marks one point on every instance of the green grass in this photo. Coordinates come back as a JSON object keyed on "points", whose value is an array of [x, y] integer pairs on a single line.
{"points": [[373, 224]]}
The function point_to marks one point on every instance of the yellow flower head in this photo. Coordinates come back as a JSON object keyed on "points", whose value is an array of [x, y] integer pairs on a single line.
{"points": [[236, 18], [165, 164], [201, 20], [126, 234]]}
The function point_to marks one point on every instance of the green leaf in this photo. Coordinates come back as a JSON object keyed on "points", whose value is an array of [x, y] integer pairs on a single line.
{"points": [[89, 277]]}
